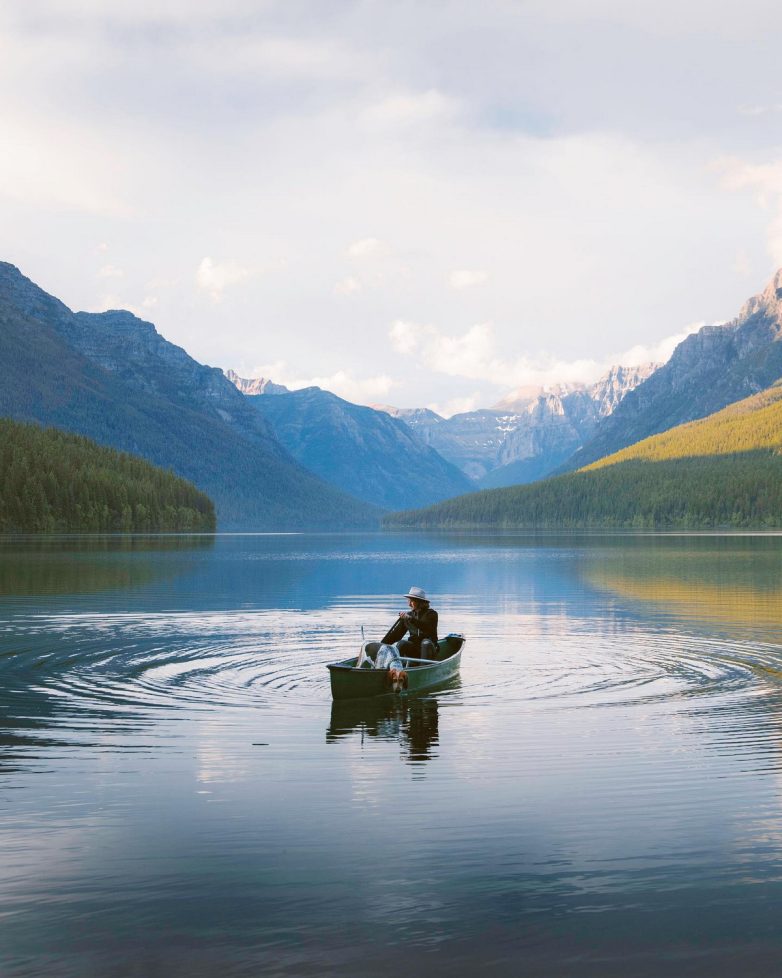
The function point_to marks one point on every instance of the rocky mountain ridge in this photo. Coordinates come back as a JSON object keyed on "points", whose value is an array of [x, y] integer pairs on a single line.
{"points": [[255, 385], [707, 371], [529, 432]]}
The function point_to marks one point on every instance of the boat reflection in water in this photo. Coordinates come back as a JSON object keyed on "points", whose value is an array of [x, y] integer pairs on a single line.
{"points": [[412, 721]]}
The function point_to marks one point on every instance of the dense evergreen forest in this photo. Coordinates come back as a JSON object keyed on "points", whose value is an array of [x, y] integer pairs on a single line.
{"points": [[722, 471], [52, 481]]}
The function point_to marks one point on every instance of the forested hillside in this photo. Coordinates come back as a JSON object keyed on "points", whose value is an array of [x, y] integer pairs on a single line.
{"points": [[52, 481], [722, 471], [115, 379], [746, 426]]}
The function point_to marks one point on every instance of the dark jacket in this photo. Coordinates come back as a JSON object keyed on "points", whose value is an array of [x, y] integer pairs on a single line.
{"points": [[420, 624]]}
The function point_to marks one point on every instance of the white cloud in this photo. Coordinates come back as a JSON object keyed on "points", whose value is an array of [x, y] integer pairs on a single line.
{"points": [[359, 390], [281, 57], [215, 277], [405, 337], [653, 353], [111, 301], [765, 179], [473, 356], [760, 110], [467, 136], [52, 165], [466, 278], [275, 371], [110, 271], [742, 265], [347, 286], [367, 248], [409, 109], [456, 405]]}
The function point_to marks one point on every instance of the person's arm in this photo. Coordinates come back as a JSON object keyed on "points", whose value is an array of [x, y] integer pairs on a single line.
{"points": [[396, 631]]}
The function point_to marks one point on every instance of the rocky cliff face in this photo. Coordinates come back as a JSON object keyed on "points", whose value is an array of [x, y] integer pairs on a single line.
{"points": [[707, 371], [528, 433], [255, 385], [138, 355]]}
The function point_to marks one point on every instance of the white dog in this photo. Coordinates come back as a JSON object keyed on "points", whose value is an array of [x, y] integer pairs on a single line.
{"points": [[387, 658]]}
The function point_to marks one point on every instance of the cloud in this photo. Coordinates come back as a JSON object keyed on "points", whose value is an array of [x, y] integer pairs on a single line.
{"points": [[114, 301], [367, 248], [359, 390], [453, 138], [659, 352], [53, 165], [409, 109], [405, 336], [473, 356], [281, 57], [765, 179], [215, 277], [759, 110], [456, 405], [110, 271], [466, 278], [347, 286]]}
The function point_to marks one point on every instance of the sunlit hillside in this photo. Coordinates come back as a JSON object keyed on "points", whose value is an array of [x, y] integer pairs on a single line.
{"points": [[746, 426], [722, 471]]}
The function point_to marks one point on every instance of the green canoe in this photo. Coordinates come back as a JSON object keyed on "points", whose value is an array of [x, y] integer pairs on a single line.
{"points": [[350, 683]]}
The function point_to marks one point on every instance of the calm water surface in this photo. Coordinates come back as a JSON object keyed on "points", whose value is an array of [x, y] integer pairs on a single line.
{"points": [[599, 794]]}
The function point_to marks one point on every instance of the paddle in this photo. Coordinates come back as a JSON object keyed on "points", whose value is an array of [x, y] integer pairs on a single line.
{"points": [[390, 637], [362, 654]]}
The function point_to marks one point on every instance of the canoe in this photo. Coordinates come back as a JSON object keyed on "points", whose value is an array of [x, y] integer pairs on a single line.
{"points": [[350, 683]]}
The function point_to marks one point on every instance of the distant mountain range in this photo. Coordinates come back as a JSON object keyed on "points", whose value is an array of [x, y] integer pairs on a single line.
{"points": [[365, 452], [526, 435], [724, 470], [708, 370], [272, 458], [113, 378]]}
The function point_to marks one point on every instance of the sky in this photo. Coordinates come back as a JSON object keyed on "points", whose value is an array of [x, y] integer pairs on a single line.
{"points": [[412, 202]]}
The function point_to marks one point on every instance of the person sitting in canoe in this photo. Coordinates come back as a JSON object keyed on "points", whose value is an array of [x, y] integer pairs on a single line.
{"points": [[420, 623]]}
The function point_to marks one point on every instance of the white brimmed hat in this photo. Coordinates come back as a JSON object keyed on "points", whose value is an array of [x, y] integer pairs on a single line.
{"points": [[418, 593]]}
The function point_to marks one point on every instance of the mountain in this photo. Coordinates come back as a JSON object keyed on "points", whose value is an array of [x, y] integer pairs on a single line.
{"points": [[254, 385], [708, 370], [54, 481], [721, 471], [420, 420], [528, 433], [363, 451], [113, 378], [751, 425]]}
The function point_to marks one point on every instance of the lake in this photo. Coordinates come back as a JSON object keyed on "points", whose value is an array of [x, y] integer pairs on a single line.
{"points": [[598, 794]]}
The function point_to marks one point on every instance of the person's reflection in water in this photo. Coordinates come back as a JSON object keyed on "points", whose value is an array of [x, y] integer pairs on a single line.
{"points": [[413, 723], [422, 728]]}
